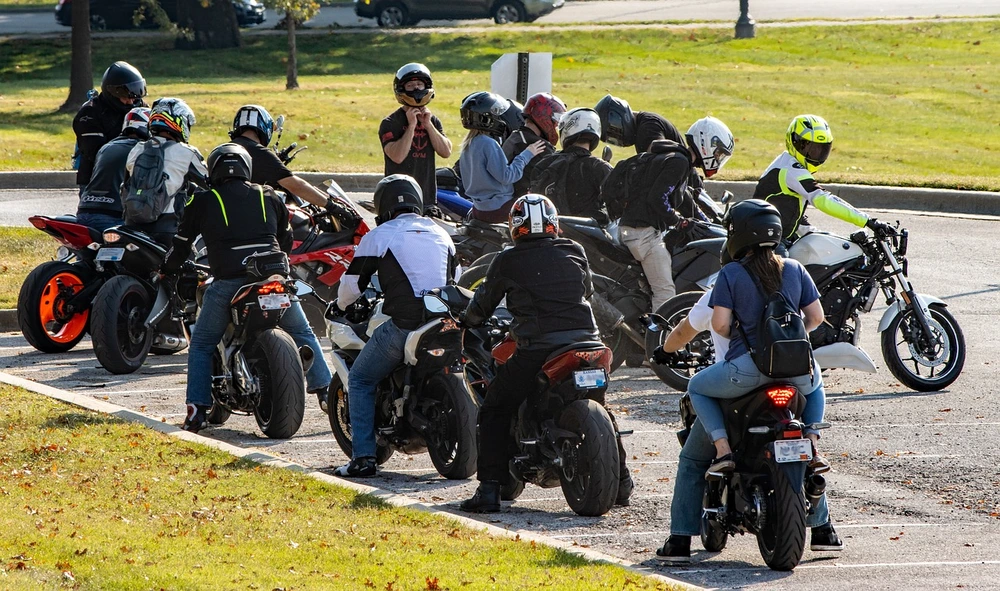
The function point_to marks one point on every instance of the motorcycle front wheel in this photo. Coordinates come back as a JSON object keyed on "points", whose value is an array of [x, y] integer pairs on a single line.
{"points": [[118, 316], [340, 421], [453, 444], [274, 362], [925, 364], [590, 471], [674, 310], [782, 536], [41, 306]]}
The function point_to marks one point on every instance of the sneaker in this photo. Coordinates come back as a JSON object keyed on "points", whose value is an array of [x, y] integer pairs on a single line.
{"points": [[486, 499], [676, 550], [720, 466], [323, 396], [357, 468], [197, 418], [825, 539], [819, 464]]}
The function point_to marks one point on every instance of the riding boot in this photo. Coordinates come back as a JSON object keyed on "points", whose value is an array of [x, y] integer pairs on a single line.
{"points": [[625, 483], [486, 499]]}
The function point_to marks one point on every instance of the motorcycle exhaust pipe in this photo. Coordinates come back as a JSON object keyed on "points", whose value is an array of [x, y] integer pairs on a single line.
{"points": [[814, 489], [171, 342], [308, 356]]}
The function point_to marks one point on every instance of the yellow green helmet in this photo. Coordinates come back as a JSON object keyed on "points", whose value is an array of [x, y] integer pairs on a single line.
{"points": [[809, 140]]}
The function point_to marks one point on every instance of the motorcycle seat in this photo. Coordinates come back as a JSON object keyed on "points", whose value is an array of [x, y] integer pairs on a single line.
{"points": [[67, 218]]}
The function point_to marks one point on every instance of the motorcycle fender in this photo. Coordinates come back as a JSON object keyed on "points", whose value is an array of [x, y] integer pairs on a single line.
{"points": [[160, 306], [844, 355], [923, 299], [794, 471], [339, 367]]}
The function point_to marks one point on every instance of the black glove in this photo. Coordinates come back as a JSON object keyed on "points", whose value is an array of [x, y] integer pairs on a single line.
{"points": [[433, 211], [662, 357], [880, 228], [348, 218]]}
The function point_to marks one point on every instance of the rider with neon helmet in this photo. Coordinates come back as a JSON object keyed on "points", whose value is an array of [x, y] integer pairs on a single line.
{"points": [[788, 182], [541, 115]]}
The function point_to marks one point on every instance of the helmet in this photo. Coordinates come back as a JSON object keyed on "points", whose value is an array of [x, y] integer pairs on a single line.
{"points": [[545, 110], [229, 161], [513, 118], [712, 143], [396, 194], [750, 223], [809, 140], [122, 80], [580, 124], [173, 116], [413, 98], [617, 121], [533, 216], [136, 123], [484, 111], [256, 118]]}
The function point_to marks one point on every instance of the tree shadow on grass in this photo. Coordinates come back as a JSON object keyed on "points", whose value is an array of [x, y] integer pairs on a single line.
{"points": [[73, 420]]}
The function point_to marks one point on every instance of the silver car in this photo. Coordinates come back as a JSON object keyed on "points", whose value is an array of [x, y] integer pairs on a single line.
{"points": [[402, 13]]}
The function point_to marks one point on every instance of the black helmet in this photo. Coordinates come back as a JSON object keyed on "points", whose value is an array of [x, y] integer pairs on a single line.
{"points": [[229, 161], [413, 98], [122, 80], [750, 223], [396, 194], [617, 121], [485, 111]]}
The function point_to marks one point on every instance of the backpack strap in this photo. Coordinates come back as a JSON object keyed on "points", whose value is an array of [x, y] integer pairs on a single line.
{"points": [[739, 324]]}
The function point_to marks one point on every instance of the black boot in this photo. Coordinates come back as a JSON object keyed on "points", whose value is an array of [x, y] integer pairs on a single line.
{"points": [[625, 487], [322, 396], [486, 499]]}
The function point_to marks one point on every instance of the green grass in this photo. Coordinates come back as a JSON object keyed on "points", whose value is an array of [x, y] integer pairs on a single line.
{"points": [[90, 502], [26, 5], [23, 250], [909, 104]]}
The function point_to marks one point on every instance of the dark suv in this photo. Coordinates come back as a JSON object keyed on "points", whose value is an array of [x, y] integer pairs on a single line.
{"points": [[401, 13], [117, 14]]}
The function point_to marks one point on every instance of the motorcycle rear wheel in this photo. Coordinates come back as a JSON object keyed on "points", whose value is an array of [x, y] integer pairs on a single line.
{"points": [[340, 423], [218, 414], [121, 341], [782, 538], [949, 342], [713, 536], [674, 310], [453, 452], [590, 479], [473, 277], [41, 302], [274, 361]]}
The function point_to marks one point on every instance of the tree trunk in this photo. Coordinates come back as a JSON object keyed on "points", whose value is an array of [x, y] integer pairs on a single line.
{"points": [[211, 27], [292, 78], [81, 74]]}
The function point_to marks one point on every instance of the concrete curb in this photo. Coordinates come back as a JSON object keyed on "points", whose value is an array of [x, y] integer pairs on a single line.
{"points": [[266, 459]]}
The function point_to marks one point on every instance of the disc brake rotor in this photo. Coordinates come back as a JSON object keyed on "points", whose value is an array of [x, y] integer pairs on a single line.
{"points": [[929, 353]]}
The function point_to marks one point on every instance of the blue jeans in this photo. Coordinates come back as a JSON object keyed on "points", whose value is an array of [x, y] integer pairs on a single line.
{"points": [[99, 221], [736, 378], [381, 354], [689, 487], [213, 318]]}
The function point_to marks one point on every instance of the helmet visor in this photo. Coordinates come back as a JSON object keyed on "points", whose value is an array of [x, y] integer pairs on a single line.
{"points": [[130, 90], [720, 155], [814, 153]]}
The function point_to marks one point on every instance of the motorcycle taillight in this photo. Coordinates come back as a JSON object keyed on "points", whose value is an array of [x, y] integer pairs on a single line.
{"points": [[271, 287], [781, 395]]}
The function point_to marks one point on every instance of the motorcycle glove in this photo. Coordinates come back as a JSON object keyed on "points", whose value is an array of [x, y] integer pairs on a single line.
{"points": [[348, 218], [880, 228], [662, 357]]}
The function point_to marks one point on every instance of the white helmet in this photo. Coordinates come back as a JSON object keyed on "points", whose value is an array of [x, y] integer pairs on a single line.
{"points": [[580, 123], [712, 143]]}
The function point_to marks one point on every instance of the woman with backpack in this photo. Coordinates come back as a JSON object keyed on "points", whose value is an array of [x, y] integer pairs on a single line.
{"points": [[743, 289]]}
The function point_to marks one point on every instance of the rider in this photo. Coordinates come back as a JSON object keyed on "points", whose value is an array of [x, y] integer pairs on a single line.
{"points": [[788, 183], [621, 127], [411, 135], [546, 281], [411, 255], [577, 191], [100, 200], [236, 219], [99, 120], [541, 114], [252, 129], [486, 174]]}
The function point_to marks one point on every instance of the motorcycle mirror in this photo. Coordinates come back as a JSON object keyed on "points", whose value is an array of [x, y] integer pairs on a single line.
{"points": [[727, 197], [655, 322], [435, 304], [280, 123], [302, 288], [606, 154]]}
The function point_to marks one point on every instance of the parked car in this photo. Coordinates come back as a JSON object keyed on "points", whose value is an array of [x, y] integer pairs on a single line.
{"points": [[117, 14], [401, 13]]}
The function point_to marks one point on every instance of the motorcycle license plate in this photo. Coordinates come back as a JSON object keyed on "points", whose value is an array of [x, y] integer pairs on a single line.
{"points": [[792, 450], [110, 254], [274, 301], [589, 379]]}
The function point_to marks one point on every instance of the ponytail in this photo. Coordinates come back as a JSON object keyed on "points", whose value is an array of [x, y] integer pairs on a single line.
{"points": [[766, 266]]}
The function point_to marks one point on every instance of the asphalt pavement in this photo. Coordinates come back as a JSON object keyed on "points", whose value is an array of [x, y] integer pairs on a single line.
{"points": [[915, 490]]}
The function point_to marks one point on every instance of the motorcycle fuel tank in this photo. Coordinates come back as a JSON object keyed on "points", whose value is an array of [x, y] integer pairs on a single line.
{"points": [[821, 248]]}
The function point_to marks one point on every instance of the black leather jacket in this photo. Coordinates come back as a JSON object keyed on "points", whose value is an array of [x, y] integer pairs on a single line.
{"points": [[97, 122]]}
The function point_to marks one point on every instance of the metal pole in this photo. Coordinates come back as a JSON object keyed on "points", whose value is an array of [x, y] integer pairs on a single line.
{"points": [[746, 27]]}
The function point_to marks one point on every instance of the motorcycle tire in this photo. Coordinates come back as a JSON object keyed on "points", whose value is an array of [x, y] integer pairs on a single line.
{"points": [[590, 472], [274, 361], [340, 423], [453, 445], [121, 341], [510, 490], [40, 306], [713, 536], [949, 340], [782, 537], [218, 414], [473, 277], [674, 310]]}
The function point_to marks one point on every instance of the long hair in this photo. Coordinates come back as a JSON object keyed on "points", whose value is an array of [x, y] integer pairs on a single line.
{"points": [[766, 266], [468, 139]]}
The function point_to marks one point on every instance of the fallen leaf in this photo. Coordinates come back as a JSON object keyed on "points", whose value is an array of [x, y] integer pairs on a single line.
{"points": [[944, 410], [432, 584]]}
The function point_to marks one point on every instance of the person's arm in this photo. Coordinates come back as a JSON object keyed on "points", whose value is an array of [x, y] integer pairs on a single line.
{"points": [[804, 184], [488, 295], [197, 171], [813, 315], [397, 150], [810, 305], [90, 134], [188, 229], [722, 319], [359, 273], [721, 302], [440, 142], [507, 174], [681, 335], [301, 188], [283, 233]]}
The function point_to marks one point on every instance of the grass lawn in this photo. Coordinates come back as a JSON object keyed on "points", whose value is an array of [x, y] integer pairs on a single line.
{"points": [[22, 5], [90, 502], [909, 104], [23, 249]]}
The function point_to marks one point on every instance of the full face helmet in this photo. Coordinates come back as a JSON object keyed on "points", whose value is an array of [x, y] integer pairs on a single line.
{"points": [[397, 194], [545, 110], [809, 141], [253, 117], [750, 223], [136, 123], [229, 161], [617, 121], [122, 80], [173, 116], [580, 124], [712, 143], [413, 98], [484, 111], [533, 216]]}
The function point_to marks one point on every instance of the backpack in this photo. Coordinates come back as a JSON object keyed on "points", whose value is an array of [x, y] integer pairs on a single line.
{"points": [[637, 178], [146, 195], [783, 346], [549, 178]]}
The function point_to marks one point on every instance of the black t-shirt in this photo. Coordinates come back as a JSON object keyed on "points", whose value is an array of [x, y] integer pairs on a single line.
{"points": [[419, 163], [650, 127], [267, 167]]}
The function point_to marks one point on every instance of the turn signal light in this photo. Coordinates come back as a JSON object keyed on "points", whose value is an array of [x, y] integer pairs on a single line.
{"points": [[781, 396], [272, 287]]}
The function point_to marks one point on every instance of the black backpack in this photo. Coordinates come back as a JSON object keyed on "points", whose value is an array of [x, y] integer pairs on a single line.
{"points": [[783, 347], [637, 178], [549, 177], [146, 195]]}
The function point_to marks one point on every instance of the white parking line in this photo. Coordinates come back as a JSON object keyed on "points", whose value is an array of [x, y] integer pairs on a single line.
{"points": [[839, 526], [840, 565], [86, 390]]}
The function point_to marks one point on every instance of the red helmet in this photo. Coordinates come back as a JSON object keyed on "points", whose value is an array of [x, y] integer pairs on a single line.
{"points": [[545, 110], [533, 216]]}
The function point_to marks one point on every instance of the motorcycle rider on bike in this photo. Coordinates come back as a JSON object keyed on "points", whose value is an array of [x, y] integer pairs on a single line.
{"points": [[252, 129], [411, 255], [621, 127], [236, 219], [788, 183], [542, 113], [546, 281]]}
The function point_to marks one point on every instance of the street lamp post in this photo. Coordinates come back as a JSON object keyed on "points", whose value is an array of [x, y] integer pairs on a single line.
{"points": [[746, 27]]}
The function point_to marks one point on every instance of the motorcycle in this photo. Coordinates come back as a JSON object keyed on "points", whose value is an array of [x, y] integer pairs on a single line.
{"points": [[424, 404]]}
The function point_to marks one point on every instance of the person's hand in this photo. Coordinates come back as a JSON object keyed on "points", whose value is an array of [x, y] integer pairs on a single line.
{"points": [[433, 211], [662, 357], [880, 228], [536, 148], [424, 115], [412, 114]]}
